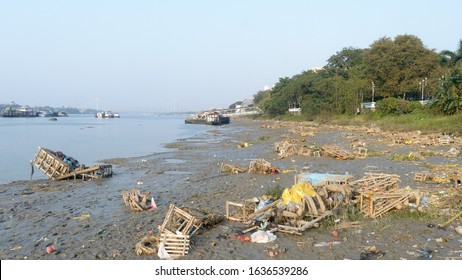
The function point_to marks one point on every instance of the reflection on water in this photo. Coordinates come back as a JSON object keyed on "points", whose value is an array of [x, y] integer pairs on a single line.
{"points": [[86, 139]]}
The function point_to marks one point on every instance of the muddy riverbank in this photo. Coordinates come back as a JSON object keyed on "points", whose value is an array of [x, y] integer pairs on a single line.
{"points": [[88, 220]]}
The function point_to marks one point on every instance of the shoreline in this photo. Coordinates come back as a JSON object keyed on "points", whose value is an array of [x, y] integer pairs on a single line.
{"points": [[88, 220]]}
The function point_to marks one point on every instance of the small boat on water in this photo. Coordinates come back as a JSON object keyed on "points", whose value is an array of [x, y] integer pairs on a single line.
{"points": [[208, 117]]}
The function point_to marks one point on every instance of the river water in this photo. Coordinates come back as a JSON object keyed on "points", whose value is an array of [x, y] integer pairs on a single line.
{"points": [[86, 139]]}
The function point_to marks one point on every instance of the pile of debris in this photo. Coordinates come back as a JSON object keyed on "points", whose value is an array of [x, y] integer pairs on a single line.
{"points": [[300, 207], [179, 225], [259, 166], [228, 168], [138, 202], [336, 152], [287, 148], [262, 166]]}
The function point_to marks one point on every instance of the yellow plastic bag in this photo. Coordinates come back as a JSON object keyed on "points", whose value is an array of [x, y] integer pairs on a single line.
{"points": [[296, 193]]}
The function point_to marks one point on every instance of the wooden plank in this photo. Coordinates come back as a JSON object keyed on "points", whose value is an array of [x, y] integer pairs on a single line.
{"points": [[263, 209]]}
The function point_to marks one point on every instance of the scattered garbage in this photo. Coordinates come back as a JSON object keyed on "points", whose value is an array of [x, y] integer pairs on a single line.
{"points": [[458, 229], [327, 244], [371, 253], [454, 152], [82, 217], [274, 251], [243, 145], [425, 254], [51, 249]]}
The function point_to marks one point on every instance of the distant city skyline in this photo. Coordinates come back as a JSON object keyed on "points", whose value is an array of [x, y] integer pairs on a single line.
{"points": [[190, 55]]}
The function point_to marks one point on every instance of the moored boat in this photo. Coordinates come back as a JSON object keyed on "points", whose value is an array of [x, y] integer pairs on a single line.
{"points": [[208, 117]]}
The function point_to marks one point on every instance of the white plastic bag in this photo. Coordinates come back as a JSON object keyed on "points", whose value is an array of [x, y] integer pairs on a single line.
{"points": [[262, 237], [162, 253]]}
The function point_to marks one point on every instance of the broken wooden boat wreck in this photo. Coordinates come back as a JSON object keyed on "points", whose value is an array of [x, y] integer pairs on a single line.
{"points": [[208, 117], [58, 166]]}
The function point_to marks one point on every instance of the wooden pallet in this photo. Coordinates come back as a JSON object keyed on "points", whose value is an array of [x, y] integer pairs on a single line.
{"points": [[374, 204], [176, 245], [179, 221]]}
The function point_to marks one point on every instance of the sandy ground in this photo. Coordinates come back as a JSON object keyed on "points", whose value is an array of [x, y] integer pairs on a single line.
{"points": [[88, 220]]}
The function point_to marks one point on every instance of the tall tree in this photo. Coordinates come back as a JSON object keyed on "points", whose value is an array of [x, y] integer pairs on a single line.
{"points": [[397, 66], [449, 58]]}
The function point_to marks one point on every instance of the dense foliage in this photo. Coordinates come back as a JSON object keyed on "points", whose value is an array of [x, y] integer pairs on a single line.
{"points": [[392, 72]]}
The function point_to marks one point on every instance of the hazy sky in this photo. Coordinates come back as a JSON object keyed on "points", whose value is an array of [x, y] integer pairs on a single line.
{"points": [[190, 55]]}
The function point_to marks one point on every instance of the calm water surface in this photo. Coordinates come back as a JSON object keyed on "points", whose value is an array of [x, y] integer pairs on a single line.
{"points": [[85, 138]]}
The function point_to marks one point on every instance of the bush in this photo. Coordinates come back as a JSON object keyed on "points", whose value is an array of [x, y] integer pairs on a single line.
{"points": [[397, 106]]}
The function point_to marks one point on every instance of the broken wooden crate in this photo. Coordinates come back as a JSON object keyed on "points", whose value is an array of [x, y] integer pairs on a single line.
{"points": [[374, 204], [337, 153], [300, 225], [239, 212], [179, 221], [422, 176], [56, 169], [134, 200], [377, 182], [262, 166], [176, 245]]}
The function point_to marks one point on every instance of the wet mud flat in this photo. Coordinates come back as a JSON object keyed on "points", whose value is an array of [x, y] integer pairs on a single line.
{"points": [[88, 220]]}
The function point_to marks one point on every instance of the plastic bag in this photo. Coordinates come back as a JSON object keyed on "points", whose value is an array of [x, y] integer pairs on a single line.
{"points": [[262, 237], [296, 192], [162, 253]]}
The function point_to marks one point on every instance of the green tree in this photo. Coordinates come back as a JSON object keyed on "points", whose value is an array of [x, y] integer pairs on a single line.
{"points": [[449, 58], [397, 66], [449, 96], [346, 58]]}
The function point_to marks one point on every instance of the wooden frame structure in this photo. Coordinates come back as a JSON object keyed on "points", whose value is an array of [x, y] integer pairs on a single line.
{"points": [[301, 226], [176, 245], [377, 181], [375, 204], [422, 176], [179, 221], [236, 211], [56, 169], [336, 152]]}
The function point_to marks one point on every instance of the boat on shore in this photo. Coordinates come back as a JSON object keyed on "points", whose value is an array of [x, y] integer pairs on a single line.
{"points": [[208, 117]]}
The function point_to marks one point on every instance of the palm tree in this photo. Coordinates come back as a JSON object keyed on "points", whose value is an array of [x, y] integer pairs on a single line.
{"points": [[449, 96], [449, 58]]}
